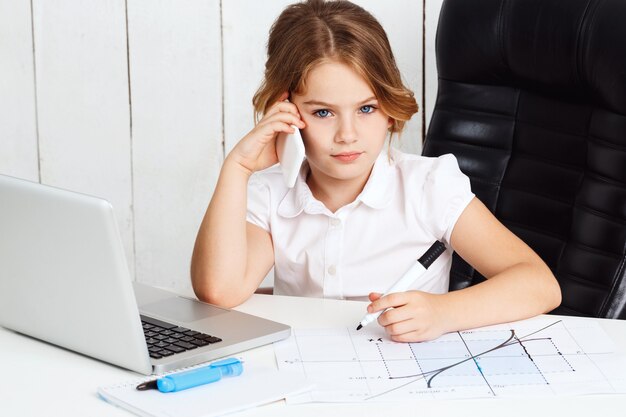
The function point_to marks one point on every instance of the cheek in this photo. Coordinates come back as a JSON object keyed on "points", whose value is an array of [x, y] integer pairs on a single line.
{"points": [[316, 134], [310, 137]]}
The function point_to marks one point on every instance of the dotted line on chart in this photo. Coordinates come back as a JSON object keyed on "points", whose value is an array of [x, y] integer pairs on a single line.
{"points": [[415, 357], [380, 352], [562, 356], [531, 358]]}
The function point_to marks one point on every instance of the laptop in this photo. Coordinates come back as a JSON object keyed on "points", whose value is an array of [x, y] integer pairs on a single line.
{"points": [[64, 280]]}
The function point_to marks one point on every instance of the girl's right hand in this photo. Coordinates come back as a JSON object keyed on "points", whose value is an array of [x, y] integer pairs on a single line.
{"points": [[257, 150]]}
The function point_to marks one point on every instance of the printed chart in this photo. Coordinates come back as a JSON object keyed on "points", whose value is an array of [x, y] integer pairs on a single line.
{"points": [[538, 357]]}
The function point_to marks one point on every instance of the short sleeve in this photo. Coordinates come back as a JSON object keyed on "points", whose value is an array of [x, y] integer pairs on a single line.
{"points": [[258, 203], [446, 193]]}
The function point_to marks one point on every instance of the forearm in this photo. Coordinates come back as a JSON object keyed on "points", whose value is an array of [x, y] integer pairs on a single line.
{"points": [[218, 264], [521, 291]]}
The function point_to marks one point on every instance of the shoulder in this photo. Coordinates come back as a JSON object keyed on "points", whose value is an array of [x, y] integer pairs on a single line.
{"points": [[266, 188], [420, 168], [270, 178]]}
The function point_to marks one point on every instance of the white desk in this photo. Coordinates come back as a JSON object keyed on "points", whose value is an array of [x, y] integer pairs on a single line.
{"points": [[41, 379]]}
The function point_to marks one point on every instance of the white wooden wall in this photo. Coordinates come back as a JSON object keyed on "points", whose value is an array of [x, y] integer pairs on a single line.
{"points": [[137, 101]]}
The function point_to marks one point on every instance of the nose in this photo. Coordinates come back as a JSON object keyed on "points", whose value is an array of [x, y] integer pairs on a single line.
{"points": [[347, 130]]}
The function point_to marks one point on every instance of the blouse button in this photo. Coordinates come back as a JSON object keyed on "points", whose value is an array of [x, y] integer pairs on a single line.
{"points": [[335, 222], [332, 270]]}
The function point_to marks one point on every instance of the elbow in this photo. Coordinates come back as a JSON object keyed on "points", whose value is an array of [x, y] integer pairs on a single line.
{"points": [[218, 297], [558, 297], [205, 295], [552, 292]]}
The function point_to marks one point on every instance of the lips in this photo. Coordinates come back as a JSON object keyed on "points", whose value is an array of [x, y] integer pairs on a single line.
{"points": [[347, 156]]}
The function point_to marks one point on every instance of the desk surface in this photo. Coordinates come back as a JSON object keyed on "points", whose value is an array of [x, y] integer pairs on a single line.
{"points": [[42, 379]]}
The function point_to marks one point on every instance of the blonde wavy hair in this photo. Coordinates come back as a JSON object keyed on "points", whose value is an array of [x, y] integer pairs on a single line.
{"points": [[314, 31]]}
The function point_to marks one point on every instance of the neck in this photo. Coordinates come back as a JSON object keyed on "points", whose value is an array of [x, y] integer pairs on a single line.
{"points": [[335, 193]]}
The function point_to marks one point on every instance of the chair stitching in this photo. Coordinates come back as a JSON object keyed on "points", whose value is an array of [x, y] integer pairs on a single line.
{"points": [[458, 142], [538, 231], [533, 157], [612, 181], [605, 216], [608, 144], [550, 129], [501, 32], [464, 110], [546, 196], [483, 181], [582, 280], [574, 311], [563, 239], [583, 27]]}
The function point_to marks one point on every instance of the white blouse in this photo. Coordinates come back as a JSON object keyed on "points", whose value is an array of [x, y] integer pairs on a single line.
{"points": [[407, 203]]}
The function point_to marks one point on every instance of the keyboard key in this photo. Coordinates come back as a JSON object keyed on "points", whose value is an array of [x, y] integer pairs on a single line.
{"points": [[151, 341], [191, 333], [150, 334], [160, 337], [177, 335], [185, 345], [167, 332], [161, 344], [179, 329], [156, 322], [187, 339], [175, 349], [166, 352], [213, 339], [199, 342], [155, 355], [146, 326], [154, 349], [170, 340]]}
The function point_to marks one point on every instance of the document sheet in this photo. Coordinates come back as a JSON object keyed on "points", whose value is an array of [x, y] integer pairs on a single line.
{"points": [[542, 356]]}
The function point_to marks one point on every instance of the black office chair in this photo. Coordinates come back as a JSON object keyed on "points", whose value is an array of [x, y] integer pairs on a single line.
{"points": [[532, 101]]}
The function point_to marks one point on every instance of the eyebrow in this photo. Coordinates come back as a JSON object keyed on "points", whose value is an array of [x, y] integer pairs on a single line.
{"points": [[322, 103]]}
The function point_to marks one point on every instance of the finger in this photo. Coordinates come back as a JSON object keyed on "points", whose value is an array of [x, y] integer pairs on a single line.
{"points": [[269, 130], [400, 328], [390, 300], [285, 117], [408, 337], [395, 315], [373, 296], [282, 106], [414, 336]]}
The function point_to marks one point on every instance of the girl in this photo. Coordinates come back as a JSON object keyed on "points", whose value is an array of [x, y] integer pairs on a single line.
{"points": [[360, 213]]}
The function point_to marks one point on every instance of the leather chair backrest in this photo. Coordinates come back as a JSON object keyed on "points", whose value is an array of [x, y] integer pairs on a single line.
{"points": [[532, 101]]}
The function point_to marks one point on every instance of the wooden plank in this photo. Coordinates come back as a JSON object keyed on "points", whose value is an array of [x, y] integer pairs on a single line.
{"points": [[175, 80], [433, 7], [18, 123], [82, 96]]}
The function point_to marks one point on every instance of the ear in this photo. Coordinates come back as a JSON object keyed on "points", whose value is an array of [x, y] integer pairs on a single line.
{"points": [[389, 122]]}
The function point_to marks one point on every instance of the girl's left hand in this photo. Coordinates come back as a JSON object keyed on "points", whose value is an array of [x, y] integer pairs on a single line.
{"points": [[416, 316]]}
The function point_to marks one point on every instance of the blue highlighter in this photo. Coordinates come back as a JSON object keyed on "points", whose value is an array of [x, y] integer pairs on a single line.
{"points": [[195, 377]]}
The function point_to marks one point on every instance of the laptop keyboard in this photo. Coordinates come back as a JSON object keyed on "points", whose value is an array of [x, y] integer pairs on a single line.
{"points": [[165, 339]]}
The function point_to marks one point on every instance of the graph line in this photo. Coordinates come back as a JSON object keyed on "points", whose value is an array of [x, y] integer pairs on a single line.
{"points": [[512, 339]]}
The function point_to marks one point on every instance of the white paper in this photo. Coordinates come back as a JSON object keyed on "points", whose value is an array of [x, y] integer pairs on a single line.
{"points": [[252, 388], [543, 356]]}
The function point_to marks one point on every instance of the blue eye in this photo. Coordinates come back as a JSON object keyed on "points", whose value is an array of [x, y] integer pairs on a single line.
{"points": [[367, 109], [322, 113]]}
